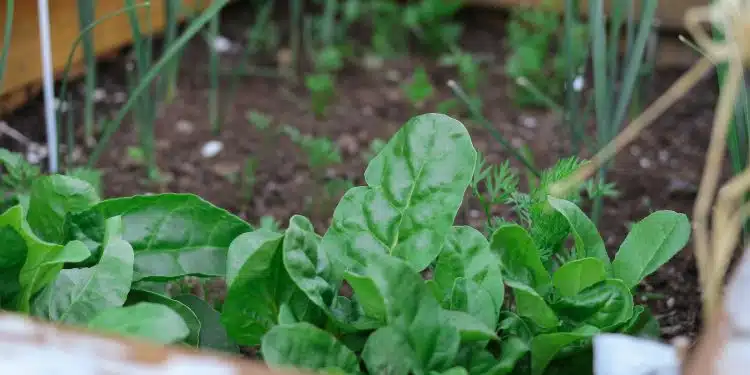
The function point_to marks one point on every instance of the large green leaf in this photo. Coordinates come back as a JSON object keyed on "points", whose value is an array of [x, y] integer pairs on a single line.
{"points": [[306, 347], [411, 309], [480, 361], [306, 263], [12, 256], [576, 275], [175, 235], [258, 285], [43, 261], [531, 305], [137, 296], [520, 257], [213, 335], [588, 242], [388, 351], [79, 294], [466, 254], [651, 242], [415, 186], [604, 305], [52, 197], [469, 297], [145, 320], [545, 347]]}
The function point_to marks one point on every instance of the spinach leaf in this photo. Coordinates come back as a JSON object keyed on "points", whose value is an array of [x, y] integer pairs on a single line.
{"points": [[306, 263], [588, 242], [77, 295], [651, 243], [137, 296], [576, 275], [175, 235], [12, 256], [415, 187], [411, 309], [466, 254], [545, 347], [520, 257], [306, 347], [150, 321], [531, 305], [44, 260], [469, 297], [605, 304], [51, 198], [388, 351], [213, 335], [258, 285]]}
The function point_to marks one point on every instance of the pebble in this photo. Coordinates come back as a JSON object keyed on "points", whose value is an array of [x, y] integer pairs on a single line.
{"points": [[663, 156], [120, 97], [670, 302], [393, 75], [221, 44], [645, 163], [211, 149], [529, 122], [185, 127], [348, 144], [99, 95]]}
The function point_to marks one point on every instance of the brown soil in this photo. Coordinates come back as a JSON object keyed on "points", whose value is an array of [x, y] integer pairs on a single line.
{"points": [[660, 171]]}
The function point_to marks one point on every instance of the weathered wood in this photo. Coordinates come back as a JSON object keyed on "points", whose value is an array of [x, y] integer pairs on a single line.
{"points": [[32, 347], [24, 69]]}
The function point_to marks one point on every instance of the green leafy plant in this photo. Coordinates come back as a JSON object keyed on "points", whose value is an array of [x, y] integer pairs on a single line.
{"points": [[430, 21], [534, 58], [385, 235], [71, 257], [322, 90], [393, 285]]}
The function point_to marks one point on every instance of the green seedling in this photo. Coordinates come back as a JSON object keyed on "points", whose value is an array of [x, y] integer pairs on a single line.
{"points": [[322, 92], [419, 89]]}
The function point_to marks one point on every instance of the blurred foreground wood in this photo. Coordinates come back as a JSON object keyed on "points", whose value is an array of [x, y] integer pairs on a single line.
{"points": [[31, 347]]}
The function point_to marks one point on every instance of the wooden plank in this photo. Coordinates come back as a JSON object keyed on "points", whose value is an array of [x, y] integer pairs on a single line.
{"points": [[33, 347], [24, 58], [670, 12]]}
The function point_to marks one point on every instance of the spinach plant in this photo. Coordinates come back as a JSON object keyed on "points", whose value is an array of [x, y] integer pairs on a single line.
{"points": [[356, 299], [564, 294], [70, 257]]}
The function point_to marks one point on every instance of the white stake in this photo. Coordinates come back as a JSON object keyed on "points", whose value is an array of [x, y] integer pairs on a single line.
{"points": [[49, 90]]}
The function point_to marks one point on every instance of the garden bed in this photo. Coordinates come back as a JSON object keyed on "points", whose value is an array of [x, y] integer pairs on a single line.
{"points": [[660, 171]]}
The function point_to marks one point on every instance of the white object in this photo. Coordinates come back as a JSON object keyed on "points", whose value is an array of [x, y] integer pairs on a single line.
{"points": [[49, 90], [211, 149], [616, 354], [222, 44]]}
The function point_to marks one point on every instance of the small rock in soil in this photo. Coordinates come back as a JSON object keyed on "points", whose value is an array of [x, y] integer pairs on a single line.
{"points": [[393, 75], [120, 97], [221, 44], [348, 144], [211, 149], [645, 163], [100, 95], [225, 169], [185, 127]]}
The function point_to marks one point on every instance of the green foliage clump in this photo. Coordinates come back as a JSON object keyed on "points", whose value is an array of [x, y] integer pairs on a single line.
{"points": [[355, 299]]}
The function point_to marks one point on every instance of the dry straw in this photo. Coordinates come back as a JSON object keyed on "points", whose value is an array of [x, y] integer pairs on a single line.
{"points": [[714, 247]]}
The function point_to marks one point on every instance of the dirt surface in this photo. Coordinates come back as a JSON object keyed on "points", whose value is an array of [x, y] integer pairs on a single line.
{"points": [[660, 171]]}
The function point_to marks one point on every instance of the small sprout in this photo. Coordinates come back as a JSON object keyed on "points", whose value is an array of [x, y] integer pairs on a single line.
{"points": [[136, 155], [259, 120], [420, 89], [322, 91]]}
